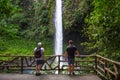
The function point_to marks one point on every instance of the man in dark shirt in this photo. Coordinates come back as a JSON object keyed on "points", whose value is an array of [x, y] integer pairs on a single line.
{"points": [[70, 52]]}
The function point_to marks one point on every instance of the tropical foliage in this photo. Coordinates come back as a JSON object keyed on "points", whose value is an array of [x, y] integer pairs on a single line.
{"points": [[23, 22], [96, 23], [103, 28], [8, 12]]}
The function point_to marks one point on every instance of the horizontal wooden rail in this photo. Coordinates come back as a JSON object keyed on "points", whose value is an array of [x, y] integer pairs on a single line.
{"points": [[105, 67], [108, 60], [52, 62]]}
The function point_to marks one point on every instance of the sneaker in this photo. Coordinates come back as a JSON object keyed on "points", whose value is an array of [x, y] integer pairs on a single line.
{"points": [[73, 73], [69, 74], [37, 74]]}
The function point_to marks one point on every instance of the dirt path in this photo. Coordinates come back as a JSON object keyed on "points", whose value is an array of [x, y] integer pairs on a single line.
{"points": [[46, 77]]}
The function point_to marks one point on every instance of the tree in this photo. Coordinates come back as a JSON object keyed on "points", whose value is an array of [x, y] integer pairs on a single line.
{"points": [[103, 27], [8, 28]]}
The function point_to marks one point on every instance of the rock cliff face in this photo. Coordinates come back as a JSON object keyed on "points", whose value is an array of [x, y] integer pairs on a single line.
{"points": [[74, 12]]}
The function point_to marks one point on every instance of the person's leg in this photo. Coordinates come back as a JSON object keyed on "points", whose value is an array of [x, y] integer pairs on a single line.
{"points": [[38, 69], [72, 66], [69, 66], [39, 66], [72, 69], [40, 62], [69, 69], [36, 66]]}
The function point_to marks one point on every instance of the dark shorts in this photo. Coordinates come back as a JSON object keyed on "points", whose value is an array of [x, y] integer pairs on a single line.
{"points": [[39, 62], [71, 60]]}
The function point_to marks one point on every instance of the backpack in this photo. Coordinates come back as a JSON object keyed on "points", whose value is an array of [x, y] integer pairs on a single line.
{"points": [[37, 53]]}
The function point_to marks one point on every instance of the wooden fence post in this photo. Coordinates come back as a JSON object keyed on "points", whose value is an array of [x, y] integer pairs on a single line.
{"points": [[96, 64], [21, 64], [59, 64]]}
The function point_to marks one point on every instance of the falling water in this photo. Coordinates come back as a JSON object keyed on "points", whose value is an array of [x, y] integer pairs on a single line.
{"points": [[58, 28]]}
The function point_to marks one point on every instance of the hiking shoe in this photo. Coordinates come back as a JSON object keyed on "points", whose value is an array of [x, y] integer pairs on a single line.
{"points": [[73, 73], [37, 74], [69, 74]]}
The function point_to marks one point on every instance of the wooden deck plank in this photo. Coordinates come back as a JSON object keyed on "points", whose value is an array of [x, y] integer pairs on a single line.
{"points": [[47, 77]]}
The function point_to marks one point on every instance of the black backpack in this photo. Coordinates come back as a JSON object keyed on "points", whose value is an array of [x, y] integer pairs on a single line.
{"points": [[37, 53]]}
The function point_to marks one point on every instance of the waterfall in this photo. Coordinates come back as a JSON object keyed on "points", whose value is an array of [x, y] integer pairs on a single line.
{"points": [[58, 28]]}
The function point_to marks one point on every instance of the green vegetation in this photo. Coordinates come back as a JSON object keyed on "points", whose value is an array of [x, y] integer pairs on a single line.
{"points": [[98, 22], [23, 47], [103, 28], [23, 23], [17, 47]]}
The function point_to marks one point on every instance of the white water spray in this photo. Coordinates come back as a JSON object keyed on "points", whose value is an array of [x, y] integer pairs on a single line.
{"points": [[58, 28]]}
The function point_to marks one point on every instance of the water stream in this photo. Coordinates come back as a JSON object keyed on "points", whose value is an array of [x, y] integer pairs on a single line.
{"points": [[58, 28], [58, 32]]}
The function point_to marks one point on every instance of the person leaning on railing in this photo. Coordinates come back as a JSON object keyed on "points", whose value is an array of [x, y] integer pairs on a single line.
{"points": [[70, 53]]}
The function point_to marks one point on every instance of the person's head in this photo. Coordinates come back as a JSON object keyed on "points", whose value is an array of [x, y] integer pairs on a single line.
{"points": [[39, 44], [71, 42]]}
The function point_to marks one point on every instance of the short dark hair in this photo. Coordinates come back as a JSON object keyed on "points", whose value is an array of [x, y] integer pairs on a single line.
{"points": [[70, 41]]}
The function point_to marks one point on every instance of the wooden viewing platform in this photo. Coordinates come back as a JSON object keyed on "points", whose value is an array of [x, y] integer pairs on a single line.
{"points": [[47, 77], [87, 67]]}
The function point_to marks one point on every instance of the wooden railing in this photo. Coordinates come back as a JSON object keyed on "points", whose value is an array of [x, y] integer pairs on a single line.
{"points": [[108, 69], [84, 64], [52, 63]]}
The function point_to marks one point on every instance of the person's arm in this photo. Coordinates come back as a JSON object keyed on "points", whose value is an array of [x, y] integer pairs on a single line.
{"points": [[43, 55], [34, 52], [65, 55], [77, 53], [43, 52]]}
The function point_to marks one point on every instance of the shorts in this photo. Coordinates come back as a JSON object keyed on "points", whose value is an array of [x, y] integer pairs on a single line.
{"points": [[39, 62], [71, 60]]}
